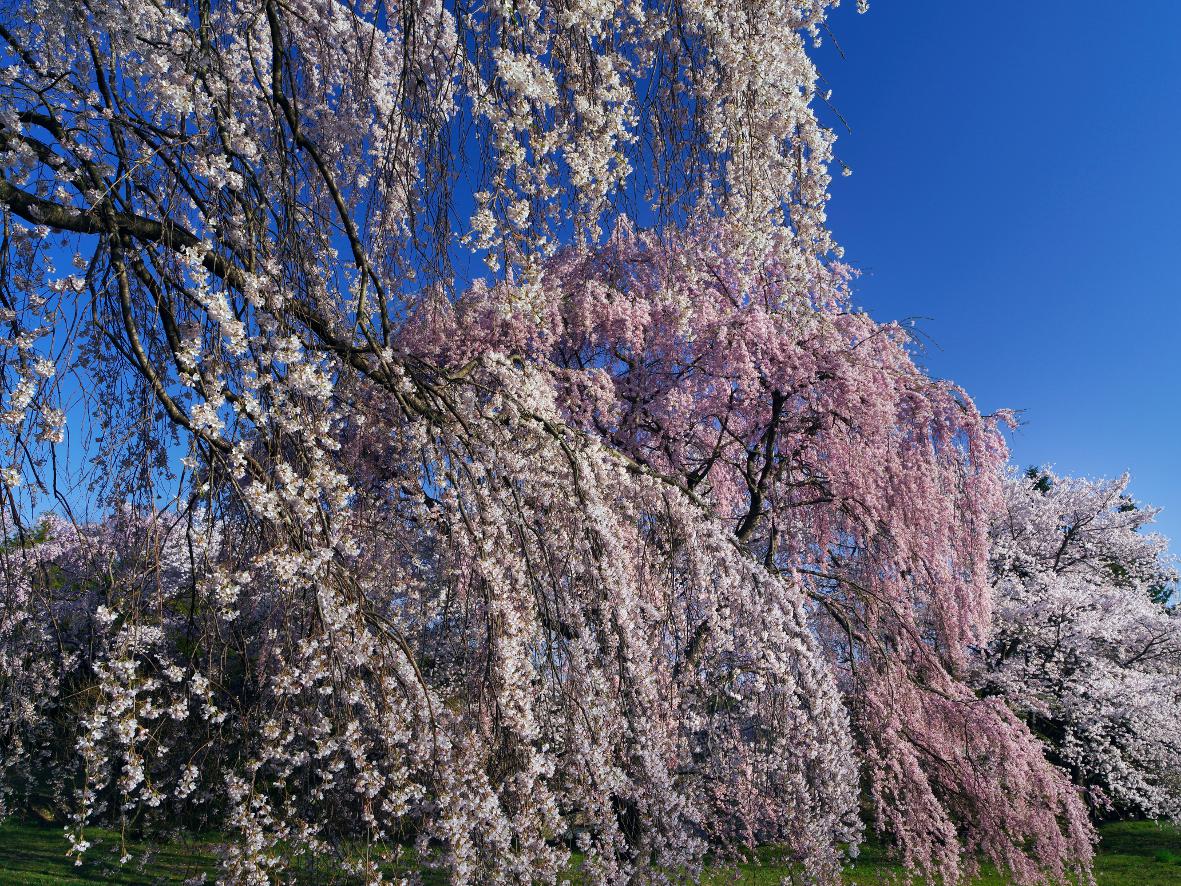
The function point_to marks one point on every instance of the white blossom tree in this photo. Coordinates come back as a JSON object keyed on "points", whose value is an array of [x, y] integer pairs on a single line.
{"points": [[1085, 644]]}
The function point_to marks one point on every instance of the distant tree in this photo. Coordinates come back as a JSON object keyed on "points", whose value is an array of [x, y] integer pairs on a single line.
{"points": [[1084, 643]]}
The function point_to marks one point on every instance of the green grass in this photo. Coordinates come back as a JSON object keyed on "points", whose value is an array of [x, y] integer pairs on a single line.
{"points": [[1131, 854], [1135, 853], [35, 855]]}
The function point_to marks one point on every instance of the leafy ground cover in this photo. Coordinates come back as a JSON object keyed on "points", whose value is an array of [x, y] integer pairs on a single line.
{"points": [[1131, 854]]}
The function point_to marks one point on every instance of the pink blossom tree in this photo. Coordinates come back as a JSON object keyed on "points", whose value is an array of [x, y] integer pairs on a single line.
{"points": [[747, 380], [647, 547], [1084, 645]]}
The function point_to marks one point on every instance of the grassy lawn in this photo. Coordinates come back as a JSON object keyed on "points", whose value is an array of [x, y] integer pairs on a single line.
{"points": [[1131, 854], [36, 854]]}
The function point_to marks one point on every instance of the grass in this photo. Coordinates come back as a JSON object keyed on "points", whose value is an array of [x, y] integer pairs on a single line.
{"points": [[35, 855], [1135, 852], [1131, 854]]}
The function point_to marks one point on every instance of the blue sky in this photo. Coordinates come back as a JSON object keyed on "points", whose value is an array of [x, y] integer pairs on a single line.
{"points": [[1017, 180]]}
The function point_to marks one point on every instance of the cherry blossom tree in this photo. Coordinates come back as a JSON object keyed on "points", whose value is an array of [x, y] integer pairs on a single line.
{"points": [[745, 378], [81, 603], [1084, 645], [646, 546]]}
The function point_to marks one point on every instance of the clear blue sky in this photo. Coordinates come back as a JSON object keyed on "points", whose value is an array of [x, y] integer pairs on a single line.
{"points": [[1017, 179]]}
